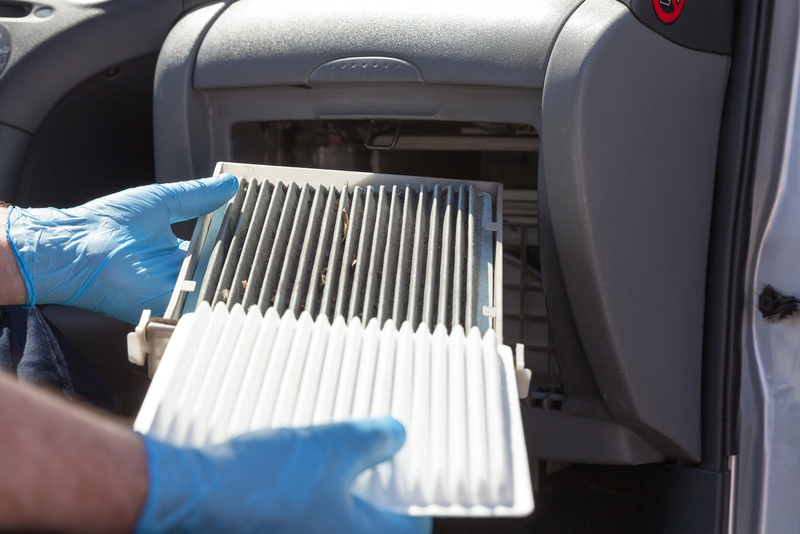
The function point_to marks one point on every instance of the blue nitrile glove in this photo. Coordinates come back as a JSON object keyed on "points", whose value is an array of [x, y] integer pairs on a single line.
{"points": [[277, 481], [117, 254]]}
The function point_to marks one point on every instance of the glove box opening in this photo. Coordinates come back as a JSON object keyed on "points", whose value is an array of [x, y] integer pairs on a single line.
{"points": [[467, 151], [492, 152]]}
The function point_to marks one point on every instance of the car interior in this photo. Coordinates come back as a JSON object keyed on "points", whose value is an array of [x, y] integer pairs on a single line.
{"points": [[624, 145]]}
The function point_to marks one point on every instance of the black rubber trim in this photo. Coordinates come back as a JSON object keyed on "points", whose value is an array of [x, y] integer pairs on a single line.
{"points": [[730, 233]]}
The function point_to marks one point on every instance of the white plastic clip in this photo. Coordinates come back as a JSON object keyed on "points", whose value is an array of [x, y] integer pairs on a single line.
{"points": [[137, 341], [523, 374], [146, 344]]}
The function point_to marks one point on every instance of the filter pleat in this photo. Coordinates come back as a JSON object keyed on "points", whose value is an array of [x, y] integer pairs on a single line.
{"points": [[376, 266], [218, 253], [312, 373], [279, 248], [212, 381], [499, 474], [265, 241], [250, 243], [262, 414], [307, 254], [356, 218], [420, 432], [331, 370], [460, 258], [173, 370], [331, 271], [293, 248], [237, 242], [402, 405], [384, 371], [365, 378], [293, 374], [390, 257], [318, 278], [472, 271], [483, 263], [404, 256], [254, 374], [343, 405], [432, 263], [418, 259], [457, 443], [446, 267], [235, 377], [361, 262], [438, 490], [476, 429], [381, 480], [190, 386]]}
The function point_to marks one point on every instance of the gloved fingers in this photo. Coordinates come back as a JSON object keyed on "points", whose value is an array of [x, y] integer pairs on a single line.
{"points": [[193, 198], [366, 443], [373, 520]]}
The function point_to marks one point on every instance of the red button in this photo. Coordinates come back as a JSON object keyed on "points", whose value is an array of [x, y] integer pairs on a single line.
{"points": [[668, 11]]}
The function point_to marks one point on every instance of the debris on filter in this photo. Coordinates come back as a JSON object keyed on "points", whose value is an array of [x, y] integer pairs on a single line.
{"points": [[225, 294], [323, 276], [244, 284], [345, 224], [774, 305], [353, 265]]}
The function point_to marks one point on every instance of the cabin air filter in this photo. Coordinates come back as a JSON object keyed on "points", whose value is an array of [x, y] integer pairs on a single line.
{"points": [[229, 372], [348, 244], [322, 296]]}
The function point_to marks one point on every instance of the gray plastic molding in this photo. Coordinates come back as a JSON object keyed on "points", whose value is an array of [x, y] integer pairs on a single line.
{"points": [[629, 136], [52, 54], [505, 43], [183, 151], [556, 435], [13, 146], [179, 112]]}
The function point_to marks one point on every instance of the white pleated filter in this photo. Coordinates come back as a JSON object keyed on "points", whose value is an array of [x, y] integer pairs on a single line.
{"points": [[228, 372]]}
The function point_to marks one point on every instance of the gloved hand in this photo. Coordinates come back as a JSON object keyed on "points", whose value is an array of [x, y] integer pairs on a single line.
{"points": [[278, 481], [116, 254]]}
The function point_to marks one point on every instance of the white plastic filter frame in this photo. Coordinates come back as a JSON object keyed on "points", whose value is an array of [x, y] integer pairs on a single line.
{"points": [[228, 372]]}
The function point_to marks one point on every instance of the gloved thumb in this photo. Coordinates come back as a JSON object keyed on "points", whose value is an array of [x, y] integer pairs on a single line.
{"points": [[367, 443], [190, 199]]}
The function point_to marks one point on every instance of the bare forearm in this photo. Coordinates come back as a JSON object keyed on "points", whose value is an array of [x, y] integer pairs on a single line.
{"points": [[12, 287], [65, 469]]}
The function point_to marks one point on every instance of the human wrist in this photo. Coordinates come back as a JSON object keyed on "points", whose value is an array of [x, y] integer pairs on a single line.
{"points": [[12, 288], [177, 483]]}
